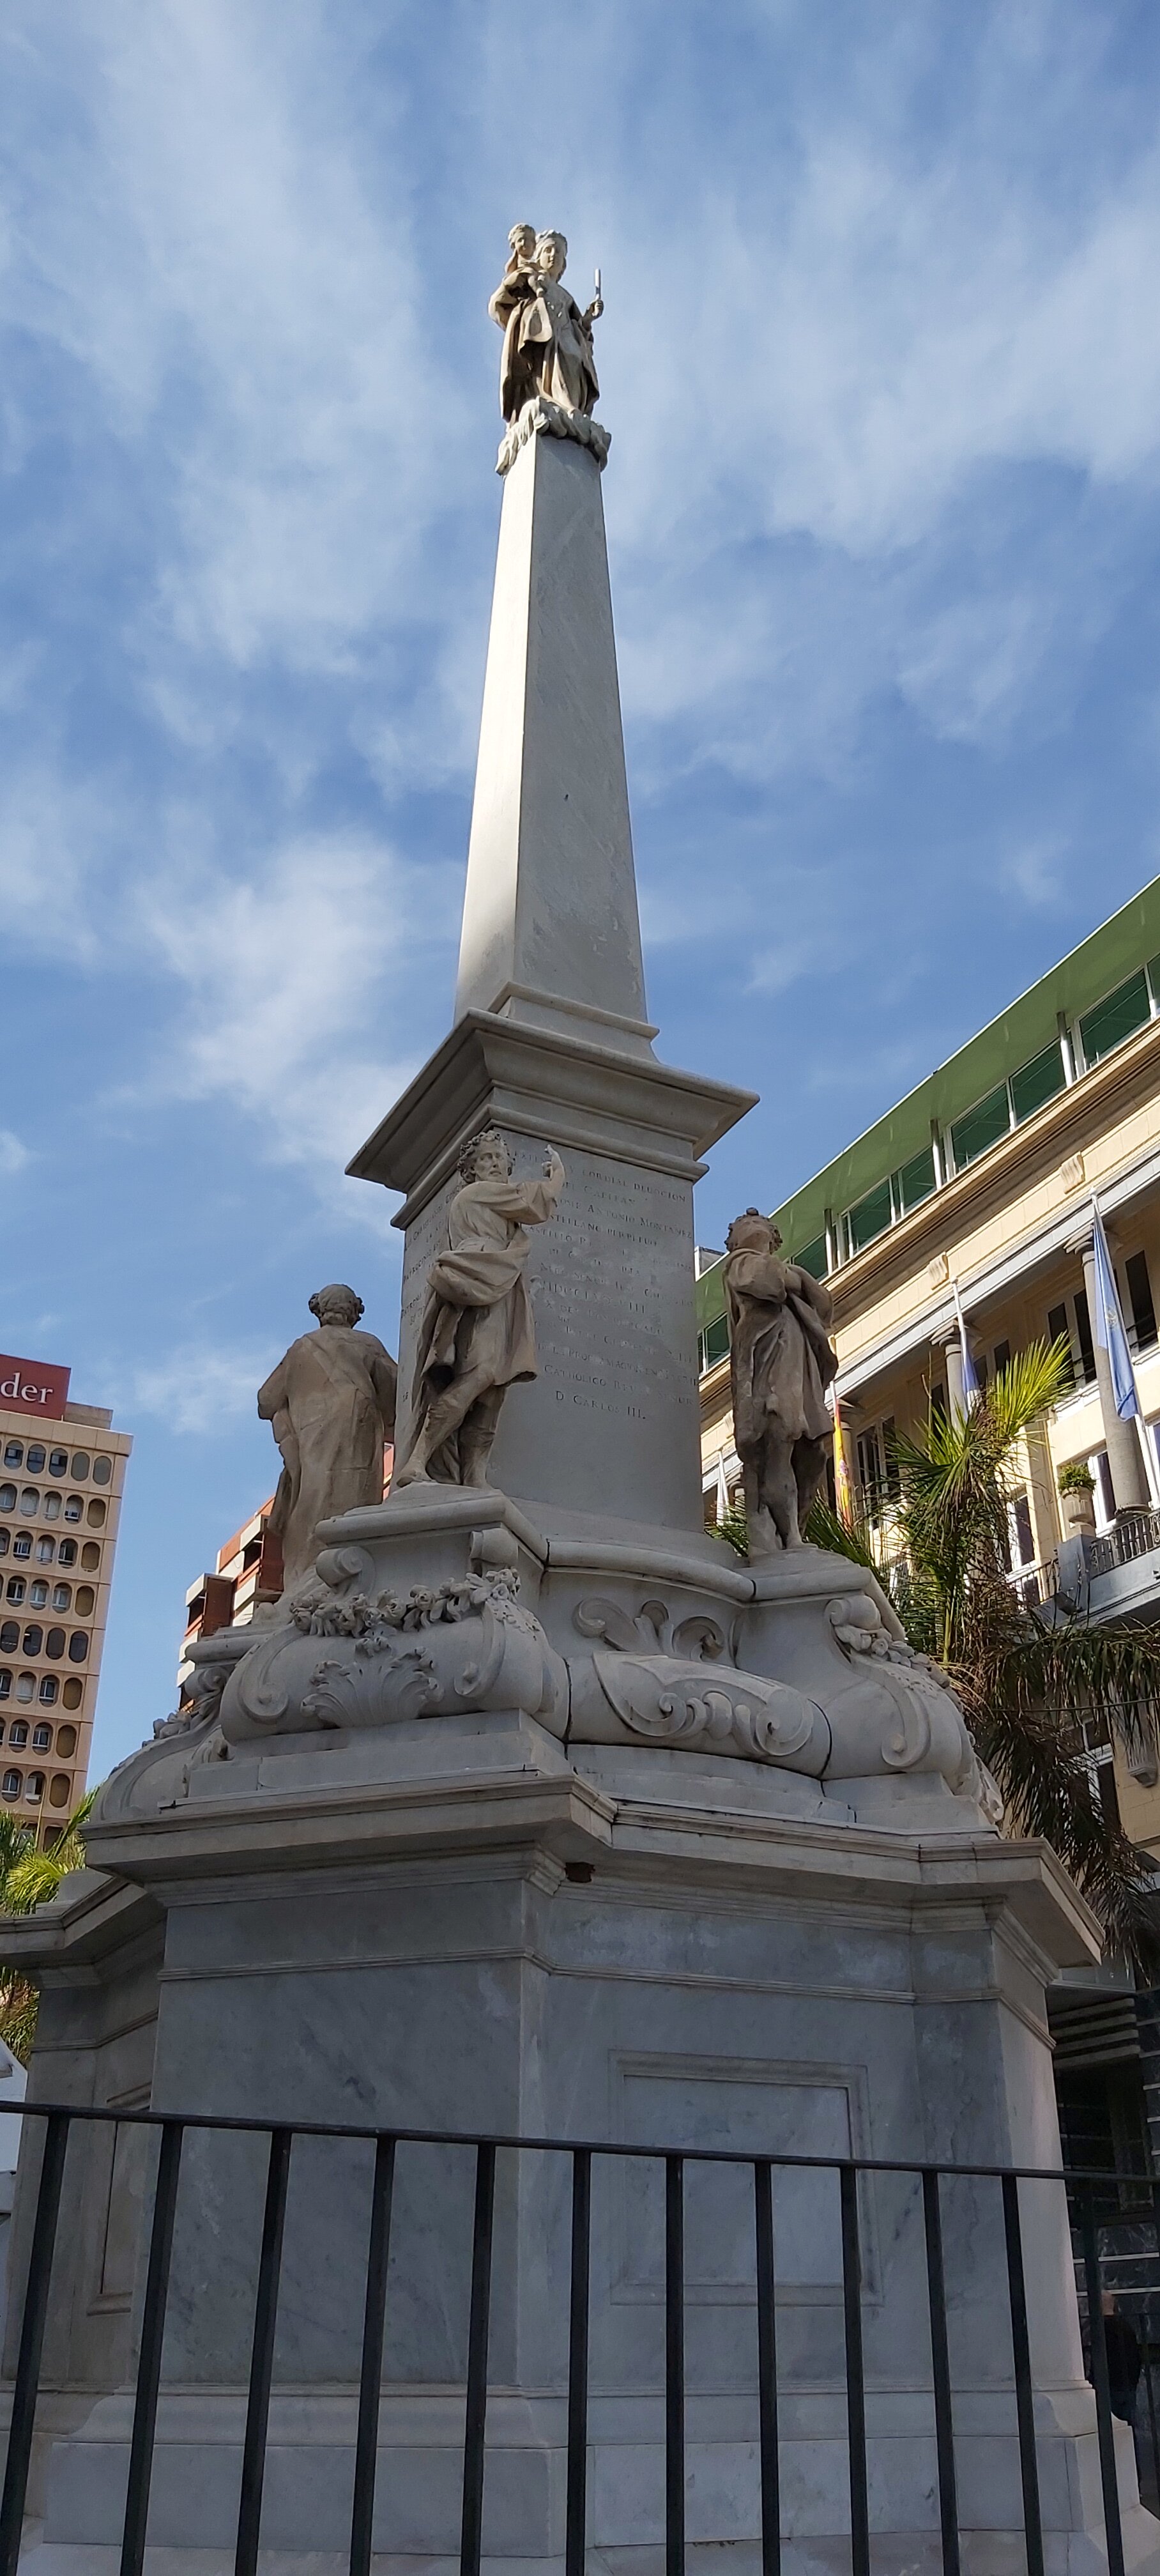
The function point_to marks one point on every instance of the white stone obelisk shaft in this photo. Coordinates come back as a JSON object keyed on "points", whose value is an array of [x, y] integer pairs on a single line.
{"points": [[550, 907]]}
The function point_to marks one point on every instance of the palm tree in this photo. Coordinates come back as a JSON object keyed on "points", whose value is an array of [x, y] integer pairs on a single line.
{"points": [[28, 1877], [1033, 1682]]}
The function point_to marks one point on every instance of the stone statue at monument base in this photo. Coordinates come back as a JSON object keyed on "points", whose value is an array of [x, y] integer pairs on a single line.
{"points": [[781, 1362], [331, 1405], [477, 1335]]}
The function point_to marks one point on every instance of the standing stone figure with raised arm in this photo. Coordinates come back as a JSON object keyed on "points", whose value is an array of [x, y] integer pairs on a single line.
{"points": [[331, 1403], [547, 346], [780, 1362], [477, 1337]]}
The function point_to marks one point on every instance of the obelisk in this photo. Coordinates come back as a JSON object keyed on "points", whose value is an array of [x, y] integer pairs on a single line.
{"points": [[551, 1041]]}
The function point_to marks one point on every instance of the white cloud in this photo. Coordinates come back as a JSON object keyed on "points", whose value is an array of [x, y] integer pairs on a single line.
{"points": [[198, 1389], [13, 1155]]}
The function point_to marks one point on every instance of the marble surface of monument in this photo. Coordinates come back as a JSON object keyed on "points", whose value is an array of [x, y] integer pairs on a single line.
{"points": [[538, 1810]]}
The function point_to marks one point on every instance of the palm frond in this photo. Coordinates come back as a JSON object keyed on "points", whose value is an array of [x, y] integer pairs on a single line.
{"points": [[28, 1877]]}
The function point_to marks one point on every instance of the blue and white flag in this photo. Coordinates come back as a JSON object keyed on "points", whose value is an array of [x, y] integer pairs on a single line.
{"points": [[1108, 1324], [970, 1380]]}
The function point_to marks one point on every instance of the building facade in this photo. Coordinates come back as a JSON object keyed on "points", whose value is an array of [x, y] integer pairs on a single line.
{"points": [[246, 1572], [62, 1470]]}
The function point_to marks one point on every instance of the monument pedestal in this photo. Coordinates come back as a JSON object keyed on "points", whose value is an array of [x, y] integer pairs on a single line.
{"points": [[462, 1925]]}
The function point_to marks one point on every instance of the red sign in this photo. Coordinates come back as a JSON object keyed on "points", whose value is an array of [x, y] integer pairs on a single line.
{"points": [[32, 1386]]}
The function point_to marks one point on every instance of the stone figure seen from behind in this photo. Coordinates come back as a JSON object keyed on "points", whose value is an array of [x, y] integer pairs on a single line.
{"points": [[331, 1405], [476, 1338], [547, 346], [781, 1363]]}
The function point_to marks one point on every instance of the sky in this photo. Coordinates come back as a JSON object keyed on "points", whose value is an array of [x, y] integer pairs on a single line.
{"points": [[881, 362]]}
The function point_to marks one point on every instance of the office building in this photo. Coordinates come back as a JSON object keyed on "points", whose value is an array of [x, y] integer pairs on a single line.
{"points": [[62, 1469]]}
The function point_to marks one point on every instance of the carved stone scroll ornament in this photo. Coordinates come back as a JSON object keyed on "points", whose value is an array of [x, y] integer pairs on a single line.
{"points": [[691, 1698], [908, 1707], [464, 1646]]}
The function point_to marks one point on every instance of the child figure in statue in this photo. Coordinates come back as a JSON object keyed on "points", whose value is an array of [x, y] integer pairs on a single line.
{"points": [[781, 1363], [477, 1336]]}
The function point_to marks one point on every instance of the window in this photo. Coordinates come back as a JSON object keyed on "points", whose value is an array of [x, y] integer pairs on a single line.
{"points": [[877, 1466], [35, 1788], [5, 1685], [34, 1458], [1007, 1106], [102, 1471], [914, 1182], [73, 1693], [5, 1542], [66, 1742], [16, 1587], [1143, 1312], [90, 1555], [58, 1796], [38, 1596], [52, 1503], [85, 1599], [74, 1507], [80, 1467], [1037, 1083], [67, 1552], [45, 1550], [78, 1646], [12, 1784], [7, 1498], [18, 1732], [9, 1636], [22, 1546], [42, 1739], [54, 1644], [14, 1453], [95, 1514], [714, 1342], [33, 1639], [1002, 1356], [813, 1258], [62, 1596], [49, 1691], [869, 1218], [1115, 1019], [1079, 1339], [981, 1128], [58, 1462], [29, 1503], [1024, 1541]]}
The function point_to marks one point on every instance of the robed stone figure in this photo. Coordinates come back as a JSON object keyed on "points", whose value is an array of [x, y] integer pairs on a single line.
{"points": [[477, 1337], [547, 347], [781, 1363], [331, 1403]]}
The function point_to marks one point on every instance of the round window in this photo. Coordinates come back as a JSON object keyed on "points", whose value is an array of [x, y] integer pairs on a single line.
{"points": [[102, 1471], [5, 1542], [9, 1636], [74, 1507], [7, 1498], [11, 1784], [5, 1682], [78, 1646], [59, 1787], [49, 1691], [90, 1555], [95, 1514], [38, 1595], [52, 1504], [67, 1552], [34, 1459], [62, 1596], [85, 1599], [73, 1693], [16, 1587], [18, 1734], [54, 1644], [35, 1789], [34, 1639], [29, 1503], [14, 1453], [80, 1466], [58, 1462], [66, 1740], [42, 1739]]}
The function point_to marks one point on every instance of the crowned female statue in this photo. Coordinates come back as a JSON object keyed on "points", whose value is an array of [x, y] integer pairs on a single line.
{"points": [[547, 347]]}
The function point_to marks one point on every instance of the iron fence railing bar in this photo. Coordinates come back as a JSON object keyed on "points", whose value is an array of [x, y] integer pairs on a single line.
{"points": [[1024, 2391], [1097, 2342], [262, 2354], [31, 2340], [855, 2379], [479, 2321], [562, 2146], [674, 2366], [371, 2368], [149, 2357], [575, 2531], [767, 2370], [944, 2431]]}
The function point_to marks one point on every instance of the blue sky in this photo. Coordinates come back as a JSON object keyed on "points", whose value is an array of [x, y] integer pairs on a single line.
{"points": [[881, 359]]}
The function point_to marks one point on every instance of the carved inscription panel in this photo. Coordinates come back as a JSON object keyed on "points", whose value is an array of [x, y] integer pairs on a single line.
{"points": [[611, 1423]]}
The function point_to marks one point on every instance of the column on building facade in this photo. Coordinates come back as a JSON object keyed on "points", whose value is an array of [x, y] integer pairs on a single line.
{"points": [[1121, 1440], [948, 1355], [846, 1447]]}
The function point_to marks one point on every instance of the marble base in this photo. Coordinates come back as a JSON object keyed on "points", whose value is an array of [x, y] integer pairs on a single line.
{"points": [[462, 1926]]}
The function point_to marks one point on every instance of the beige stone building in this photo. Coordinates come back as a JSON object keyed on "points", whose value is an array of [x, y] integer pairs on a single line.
{"points": [[62, 1470], [984, 1176]]}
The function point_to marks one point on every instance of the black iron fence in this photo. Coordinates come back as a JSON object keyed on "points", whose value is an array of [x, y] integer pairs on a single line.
{"points": [[1132, 1534], [44, 2255]]}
